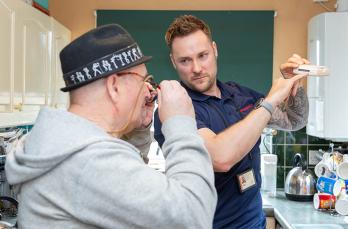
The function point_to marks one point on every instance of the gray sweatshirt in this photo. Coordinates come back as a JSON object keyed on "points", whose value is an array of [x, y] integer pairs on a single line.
{"points": [[71, 174]]}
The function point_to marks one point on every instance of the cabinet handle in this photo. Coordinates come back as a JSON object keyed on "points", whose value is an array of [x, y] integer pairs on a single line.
{"points": [[18, 107]]}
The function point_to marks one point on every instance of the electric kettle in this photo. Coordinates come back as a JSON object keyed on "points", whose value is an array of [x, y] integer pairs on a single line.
{"points": [[300, 184]]}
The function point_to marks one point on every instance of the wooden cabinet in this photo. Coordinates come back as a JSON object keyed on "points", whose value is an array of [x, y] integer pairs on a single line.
{"points": [[270, 223], [29, 59]]}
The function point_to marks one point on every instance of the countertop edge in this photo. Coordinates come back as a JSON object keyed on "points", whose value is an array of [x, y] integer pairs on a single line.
{"points": [[281, 219]]}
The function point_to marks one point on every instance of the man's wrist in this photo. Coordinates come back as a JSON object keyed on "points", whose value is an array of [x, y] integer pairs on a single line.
{"points": [[265, 104]]}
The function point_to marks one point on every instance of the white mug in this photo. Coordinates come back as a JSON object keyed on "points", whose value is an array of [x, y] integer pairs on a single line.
{"points": [[342, 201], [325, 166], [342, 170], [343, 194], [345, 158], [341, 206]]}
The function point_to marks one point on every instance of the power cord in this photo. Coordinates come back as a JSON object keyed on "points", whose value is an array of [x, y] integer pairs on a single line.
{"points": [[264, 142], [325, 7], [268, 134]]}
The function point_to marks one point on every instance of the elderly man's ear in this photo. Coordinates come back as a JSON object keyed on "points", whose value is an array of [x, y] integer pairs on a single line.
{"points": [[112, 84]]}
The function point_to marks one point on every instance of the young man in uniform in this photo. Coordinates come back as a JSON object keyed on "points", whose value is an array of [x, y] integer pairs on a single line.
{"points": [[230, 118]]}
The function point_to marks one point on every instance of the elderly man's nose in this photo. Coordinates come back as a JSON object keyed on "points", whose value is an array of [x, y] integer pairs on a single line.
{"points": [[151, 96], [149, 86]]}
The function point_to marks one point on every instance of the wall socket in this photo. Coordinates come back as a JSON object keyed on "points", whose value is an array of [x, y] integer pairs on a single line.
{"points": [[312, 158]]}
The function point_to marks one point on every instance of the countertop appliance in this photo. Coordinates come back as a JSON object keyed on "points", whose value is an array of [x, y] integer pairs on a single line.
{"points": [[328, 46], [300, 184]]}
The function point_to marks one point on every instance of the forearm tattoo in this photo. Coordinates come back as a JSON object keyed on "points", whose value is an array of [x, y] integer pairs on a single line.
{"points": [[293, 115]]}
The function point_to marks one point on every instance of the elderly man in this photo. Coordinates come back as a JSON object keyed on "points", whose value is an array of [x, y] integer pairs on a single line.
{"points": [[73, 170]]}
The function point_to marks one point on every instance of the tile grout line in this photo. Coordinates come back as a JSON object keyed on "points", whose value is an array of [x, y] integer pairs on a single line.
{"points": [[284, 155]]}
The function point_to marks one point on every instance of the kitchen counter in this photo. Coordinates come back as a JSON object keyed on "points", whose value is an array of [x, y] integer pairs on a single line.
{"points": [[290, 214], [297, 215]]}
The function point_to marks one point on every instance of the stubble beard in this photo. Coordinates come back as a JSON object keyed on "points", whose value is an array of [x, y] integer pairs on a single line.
{"points": [[202, 87]]}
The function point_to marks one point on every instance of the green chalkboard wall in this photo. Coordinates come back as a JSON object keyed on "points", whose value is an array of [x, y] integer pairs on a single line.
{"points": [[244, 40], [43, 3]]}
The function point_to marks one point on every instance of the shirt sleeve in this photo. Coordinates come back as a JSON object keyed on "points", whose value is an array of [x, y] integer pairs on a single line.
{"points": [[140, 138], [200, 121]]}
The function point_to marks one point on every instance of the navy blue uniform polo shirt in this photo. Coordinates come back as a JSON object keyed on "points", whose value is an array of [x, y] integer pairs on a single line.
{"points": [[234, 209]]}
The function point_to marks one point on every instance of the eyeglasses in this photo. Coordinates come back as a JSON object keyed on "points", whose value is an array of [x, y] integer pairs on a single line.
{"points": [[146, 79]]}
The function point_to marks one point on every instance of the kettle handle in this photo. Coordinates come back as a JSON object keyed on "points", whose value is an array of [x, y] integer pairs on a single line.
{"points": [[297, 160]]}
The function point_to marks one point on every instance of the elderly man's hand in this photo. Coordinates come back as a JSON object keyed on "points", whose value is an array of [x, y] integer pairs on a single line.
{"points": [[287, 69], [173, 100]]}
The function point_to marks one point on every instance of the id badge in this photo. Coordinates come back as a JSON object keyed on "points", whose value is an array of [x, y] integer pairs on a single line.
{"points": [[246, 180]]}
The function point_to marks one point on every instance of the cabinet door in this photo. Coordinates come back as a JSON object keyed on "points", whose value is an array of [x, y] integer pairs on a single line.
{"points": [[270, 223], [6, 56], [61, 37], [32, 57], [30, 76]]}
